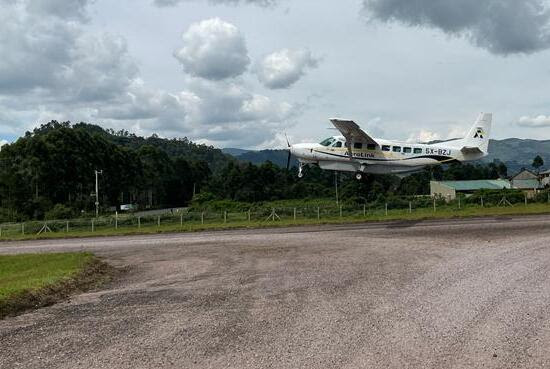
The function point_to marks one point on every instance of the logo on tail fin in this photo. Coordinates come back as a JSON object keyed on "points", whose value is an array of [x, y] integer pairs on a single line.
{"points": [[479, 133]]}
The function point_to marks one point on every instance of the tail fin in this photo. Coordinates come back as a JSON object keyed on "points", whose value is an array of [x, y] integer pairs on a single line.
{"points": [[479, 133]]}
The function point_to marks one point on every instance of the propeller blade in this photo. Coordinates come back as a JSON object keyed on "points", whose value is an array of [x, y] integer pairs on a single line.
{"points": [[288, 161], [287, 141]]}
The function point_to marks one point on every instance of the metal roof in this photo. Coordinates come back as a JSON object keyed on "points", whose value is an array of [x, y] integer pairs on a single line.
{"points": [[526, 184], [489, 184]]}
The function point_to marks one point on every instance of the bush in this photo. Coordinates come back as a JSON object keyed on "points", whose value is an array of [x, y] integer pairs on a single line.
{"points": [[60, 211]]}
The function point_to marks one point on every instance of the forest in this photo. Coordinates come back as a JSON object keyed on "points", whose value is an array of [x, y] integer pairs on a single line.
{"points": [[50, 172]]}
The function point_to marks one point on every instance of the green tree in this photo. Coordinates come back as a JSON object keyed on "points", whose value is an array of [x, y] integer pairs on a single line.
{"points": [[537, 163]]}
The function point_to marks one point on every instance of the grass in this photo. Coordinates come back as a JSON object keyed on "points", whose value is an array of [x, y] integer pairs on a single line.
{"points": [[34, 280], [239, 220]]}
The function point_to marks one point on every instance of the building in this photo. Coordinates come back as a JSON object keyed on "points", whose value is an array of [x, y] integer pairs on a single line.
{"points": [[527, 181], [449, 189], [545, 178]]}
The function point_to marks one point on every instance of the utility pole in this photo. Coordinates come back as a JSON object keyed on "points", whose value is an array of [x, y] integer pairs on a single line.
{"points": [[97, 192]]}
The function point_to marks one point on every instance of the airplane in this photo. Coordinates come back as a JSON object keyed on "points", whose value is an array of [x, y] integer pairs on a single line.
{"points": [[356, 151]]}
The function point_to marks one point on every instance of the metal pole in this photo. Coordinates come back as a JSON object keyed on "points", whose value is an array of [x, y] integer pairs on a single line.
{"points": [[410, 207], [97, 192], [318, 213], [225, 216], [116, 219], [67, 226], [386, 209], [364, 210], [202, 217], [22, 228], [294, 213], [336, 185], [340, 211], [434, 203], [181, 219], [139, 222], [92, 225]]}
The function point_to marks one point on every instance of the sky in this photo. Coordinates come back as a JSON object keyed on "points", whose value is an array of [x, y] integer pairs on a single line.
{"points": [[242, 73]]}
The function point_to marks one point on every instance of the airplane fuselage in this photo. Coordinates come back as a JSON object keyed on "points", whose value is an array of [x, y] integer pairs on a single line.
{"points": [[387, 157]]}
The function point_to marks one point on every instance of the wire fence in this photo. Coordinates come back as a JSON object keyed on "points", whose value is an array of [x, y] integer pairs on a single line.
{"points": [[390, 207]]}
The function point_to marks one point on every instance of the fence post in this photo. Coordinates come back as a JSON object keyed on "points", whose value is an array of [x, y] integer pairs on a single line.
{"points": [[116, 219], [434, 203], [410, 207], [92, 225], [481, 201], [22, 228], [158, 221], [459, 202], [318, 213], [202, 217], [294, 214], [0, 231], [386, 209], [225, 216], [340, 211], [67, 226], [248, 215], [525, 199], [139, 222], [364, 210], [181, 219]]}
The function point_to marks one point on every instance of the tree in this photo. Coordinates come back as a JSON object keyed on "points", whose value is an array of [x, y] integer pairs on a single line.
{"points": [[537, 163]]}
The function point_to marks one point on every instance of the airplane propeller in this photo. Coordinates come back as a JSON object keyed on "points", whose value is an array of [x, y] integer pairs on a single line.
{"points": [[289, 153]]}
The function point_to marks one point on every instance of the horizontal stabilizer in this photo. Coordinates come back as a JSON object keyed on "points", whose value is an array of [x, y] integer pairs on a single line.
{"points": [[471, 150]]}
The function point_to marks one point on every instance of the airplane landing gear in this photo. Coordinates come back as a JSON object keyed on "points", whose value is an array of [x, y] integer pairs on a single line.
{"points": [[300, 170], [358, 176]]}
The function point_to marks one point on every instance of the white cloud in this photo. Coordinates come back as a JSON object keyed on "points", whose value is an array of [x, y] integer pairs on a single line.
{"points": [[535, 122], [214, 50], [423, 136], [285, 67], [3, 142], [168, 3]]}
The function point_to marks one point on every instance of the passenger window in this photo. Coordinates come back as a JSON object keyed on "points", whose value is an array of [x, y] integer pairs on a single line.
{"points": [[407, 150], [358, 145], [371, 147], [385, 148], [337, 144], [397, 149], [417, 150]]}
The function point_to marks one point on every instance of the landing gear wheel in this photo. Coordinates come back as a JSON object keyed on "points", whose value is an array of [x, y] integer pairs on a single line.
{"points": [[300, 174], [358, 176], [300, 168]]}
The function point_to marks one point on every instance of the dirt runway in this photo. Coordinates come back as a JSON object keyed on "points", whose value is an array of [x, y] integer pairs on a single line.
{"points": [[434, 294]]}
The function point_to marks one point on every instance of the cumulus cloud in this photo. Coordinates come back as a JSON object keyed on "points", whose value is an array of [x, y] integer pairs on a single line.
{"points": [[214, 50], [264, 3], [423, 136], [535, 122], [285, 67], [500, 26]]}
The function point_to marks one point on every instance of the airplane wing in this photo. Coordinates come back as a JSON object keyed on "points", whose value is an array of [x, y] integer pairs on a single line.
{"points": [[352, 132]]}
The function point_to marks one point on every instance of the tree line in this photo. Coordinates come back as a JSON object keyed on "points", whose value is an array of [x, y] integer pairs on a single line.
{"points": [[53, 167]]}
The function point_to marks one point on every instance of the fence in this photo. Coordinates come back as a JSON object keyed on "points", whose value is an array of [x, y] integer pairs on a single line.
{"points": [[379, 209]]}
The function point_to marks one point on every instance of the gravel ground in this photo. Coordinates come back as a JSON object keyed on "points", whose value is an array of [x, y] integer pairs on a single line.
{"points": [[434, 294]]}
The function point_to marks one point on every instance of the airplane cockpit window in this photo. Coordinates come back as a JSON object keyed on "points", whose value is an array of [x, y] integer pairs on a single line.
{"points": [[329, 141]]}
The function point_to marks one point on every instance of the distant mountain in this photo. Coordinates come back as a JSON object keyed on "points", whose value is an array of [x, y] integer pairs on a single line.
{"points": [[514, 152], [234, 151]]}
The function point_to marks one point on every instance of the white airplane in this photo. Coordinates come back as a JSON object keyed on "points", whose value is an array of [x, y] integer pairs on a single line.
{"points": [[356, 151]]}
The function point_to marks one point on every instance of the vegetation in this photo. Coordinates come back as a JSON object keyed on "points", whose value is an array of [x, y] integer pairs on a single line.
{"points": [[33, 280], [537, 163], [49, 174]]}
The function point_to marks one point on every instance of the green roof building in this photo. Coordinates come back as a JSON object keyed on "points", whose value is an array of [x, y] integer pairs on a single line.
{"points": [[449, 189]]}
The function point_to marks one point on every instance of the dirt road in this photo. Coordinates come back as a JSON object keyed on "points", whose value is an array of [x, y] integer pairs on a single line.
{"points": [[438, 294]]}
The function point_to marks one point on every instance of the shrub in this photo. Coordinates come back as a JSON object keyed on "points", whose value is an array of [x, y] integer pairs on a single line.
{"points": [[60, 211]]}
